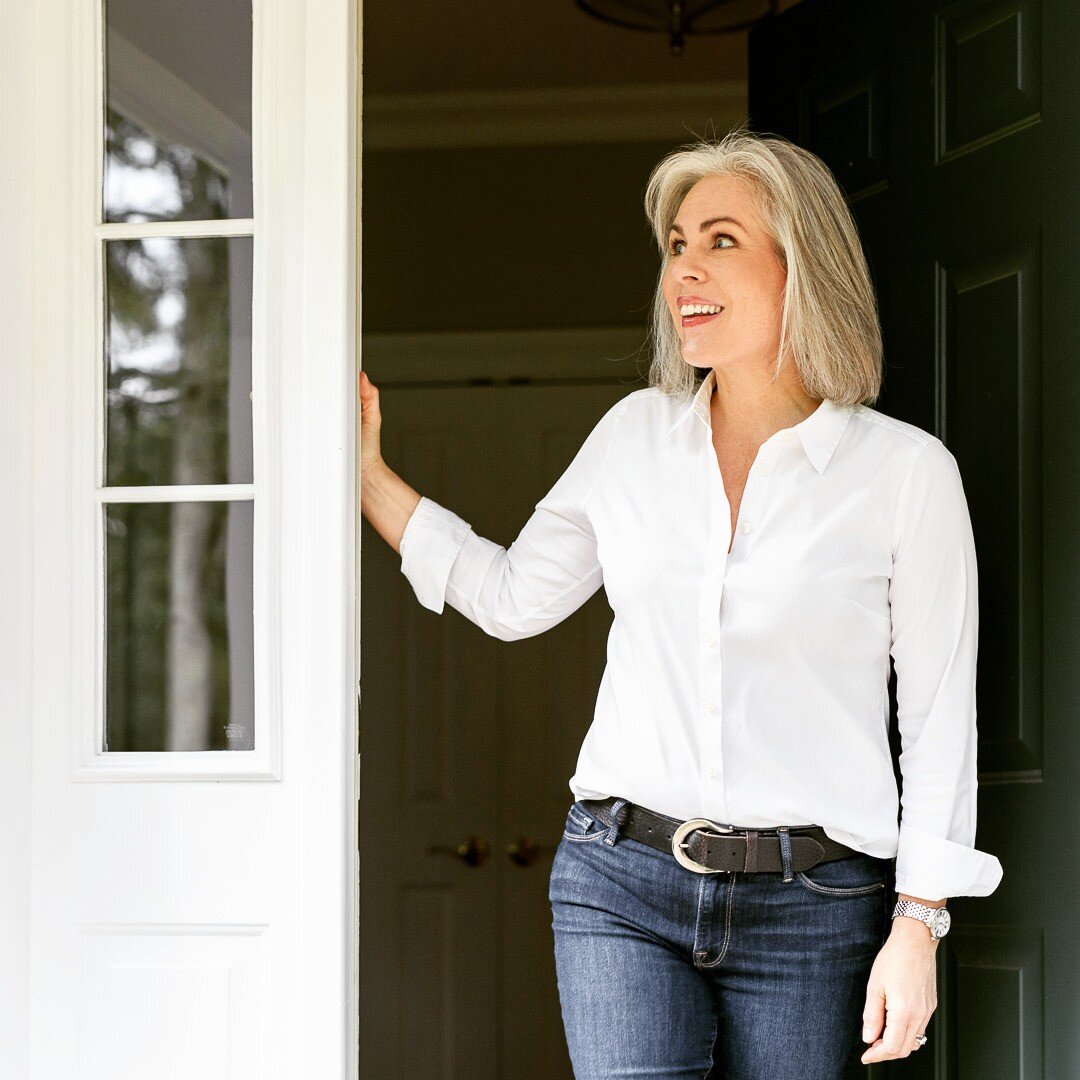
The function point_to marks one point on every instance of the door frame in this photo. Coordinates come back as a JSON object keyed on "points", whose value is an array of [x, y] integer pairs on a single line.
{"points": [[305, 339]]}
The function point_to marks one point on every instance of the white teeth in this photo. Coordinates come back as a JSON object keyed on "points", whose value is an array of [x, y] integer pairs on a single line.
{"points": [[700, 309]]}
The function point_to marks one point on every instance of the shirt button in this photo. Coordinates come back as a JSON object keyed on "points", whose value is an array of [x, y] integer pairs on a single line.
{"points": [[712, 772], [711, 706], [710, 640], [762, 470], [745, 526], [785, 435]]}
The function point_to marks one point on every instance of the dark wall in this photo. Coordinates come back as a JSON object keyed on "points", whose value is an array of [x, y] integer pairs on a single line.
{"points": [[508, 237]]}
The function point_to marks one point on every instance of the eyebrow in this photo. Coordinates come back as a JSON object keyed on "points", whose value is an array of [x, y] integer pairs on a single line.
{"points": [[705, 224]]}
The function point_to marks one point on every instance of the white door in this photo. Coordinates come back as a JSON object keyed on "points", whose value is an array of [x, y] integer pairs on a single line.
{"points": [[191, 824]]}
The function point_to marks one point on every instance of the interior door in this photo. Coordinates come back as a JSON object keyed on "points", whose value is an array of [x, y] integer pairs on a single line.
{"points": [[468, 743], [954, 129], [192, 893]]}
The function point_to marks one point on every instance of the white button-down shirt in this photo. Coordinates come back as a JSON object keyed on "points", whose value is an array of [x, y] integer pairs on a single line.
{"points": [[750, 687]]}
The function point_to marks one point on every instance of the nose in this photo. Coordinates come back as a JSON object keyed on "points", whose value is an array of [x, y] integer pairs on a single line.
{"points": [[689, 269]]}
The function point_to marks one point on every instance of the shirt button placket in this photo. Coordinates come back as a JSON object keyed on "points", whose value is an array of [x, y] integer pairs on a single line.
{"points": [[750, 510], [711, 666], [710, 673], [711, 686]]}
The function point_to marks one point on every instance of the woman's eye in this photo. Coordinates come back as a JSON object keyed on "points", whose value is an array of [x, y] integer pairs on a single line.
{"points": [[716, 236]]}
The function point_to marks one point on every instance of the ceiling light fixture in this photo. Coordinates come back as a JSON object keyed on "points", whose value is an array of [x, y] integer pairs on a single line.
{"points": [[678, 18]]}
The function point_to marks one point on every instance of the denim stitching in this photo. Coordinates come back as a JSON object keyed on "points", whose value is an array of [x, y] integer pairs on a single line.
{"points": [[619, 811], [697, 919], [715, 1034], [584, 839], [855, 890], [584, 822], [727, 921]]}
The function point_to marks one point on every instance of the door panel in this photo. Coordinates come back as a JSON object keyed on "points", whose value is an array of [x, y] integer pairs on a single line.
{"points": [[954, 130]]}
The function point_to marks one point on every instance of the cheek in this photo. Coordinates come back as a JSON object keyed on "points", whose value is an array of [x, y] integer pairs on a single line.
{"points": [[777, 282], [763, 303], [670, 289]]}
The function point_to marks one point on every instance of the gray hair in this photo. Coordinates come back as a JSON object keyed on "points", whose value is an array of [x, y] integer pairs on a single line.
{"points": [[830, 322]]}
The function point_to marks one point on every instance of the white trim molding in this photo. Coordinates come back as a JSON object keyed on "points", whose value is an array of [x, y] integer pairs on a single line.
{"points": [[589, 353], [18, 268], [555, 116]]}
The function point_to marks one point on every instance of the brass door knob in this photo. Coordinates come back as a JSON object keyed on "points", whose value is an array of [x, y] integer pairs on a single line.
{"points": [[475, 851], [525, 850]]}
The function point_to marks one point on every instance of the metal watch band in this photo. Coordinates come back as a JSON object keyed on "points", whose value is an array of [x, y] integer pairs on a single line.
{"points": [[937, 919]]}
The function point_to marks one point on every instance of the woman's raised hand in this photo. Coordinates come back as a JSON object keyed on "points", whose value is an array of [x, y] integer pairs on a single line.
{"points": [[370, 423], [385, 499]]}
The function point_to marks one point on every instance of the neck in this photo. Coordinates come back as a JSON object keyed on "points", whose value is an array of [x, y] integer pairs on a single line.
{"points": [[750, 407]]}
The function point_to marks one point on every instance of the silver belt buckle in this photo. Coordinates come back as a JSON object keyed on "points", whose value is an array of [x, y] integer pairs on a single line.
{"points": [[684, 830]]}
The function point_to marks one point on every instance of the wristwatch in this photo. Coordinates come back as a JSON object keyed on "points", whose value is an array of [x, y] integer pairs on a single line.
{"points": [[936, 919]]}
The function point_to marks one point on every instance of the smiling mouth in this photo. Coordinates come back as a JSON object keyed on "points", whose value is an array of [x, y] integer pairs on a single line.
{"points": [[696, 320]]}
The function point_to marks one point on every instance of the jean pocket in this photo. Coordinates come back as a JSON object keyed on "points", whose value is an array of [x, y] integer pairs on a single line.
{"points": [[581, 826], [855, 875]]}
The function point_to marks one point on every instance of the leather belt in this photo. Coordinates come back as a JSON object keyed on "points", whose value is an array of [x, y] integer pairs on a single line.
{"points": [[706, 846]]}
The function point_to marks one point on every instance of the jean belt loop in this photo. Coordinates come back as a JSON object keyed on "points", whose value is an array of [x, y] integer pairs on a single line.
{"points": [[785, 851], [619, 809]]}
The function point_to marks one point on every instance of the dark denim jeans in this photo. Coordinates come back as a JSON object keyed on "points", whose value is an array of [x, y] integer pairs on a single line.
{"points": [[664, 973]]}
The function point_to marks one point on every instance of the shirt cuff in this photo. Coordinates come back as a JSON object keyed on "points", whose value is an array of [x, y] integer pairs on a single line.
{"points": [[429, 545], [932, 867]]}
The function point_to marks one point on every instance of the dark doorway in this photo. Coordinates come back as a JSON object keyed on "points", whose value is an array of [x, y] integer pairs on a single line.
{"points": [[955, 130]]}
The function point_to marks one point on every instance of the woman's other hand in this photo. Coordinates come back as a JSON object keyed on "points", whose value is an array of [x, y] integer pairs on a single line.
{"points": [[901, 993]]}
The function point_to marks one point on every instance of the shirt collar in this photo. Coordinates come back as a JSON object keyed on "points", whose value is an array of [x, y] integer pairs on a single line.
{"points": [[819, 432]]}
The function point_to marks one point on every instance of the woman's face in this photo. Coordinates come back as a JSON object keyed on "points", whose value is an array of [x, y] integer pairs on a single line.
{"points": [[731, 263]]}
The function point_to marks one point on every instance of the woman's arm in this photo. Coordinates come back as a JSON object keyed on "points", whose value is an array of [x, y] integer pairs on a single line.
{"points": [[546, 574], [387, 502], [933, 596]]}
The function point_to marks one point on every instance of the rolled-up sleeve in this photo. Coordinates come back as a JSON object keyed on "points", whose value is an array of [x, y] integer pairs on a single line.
{"points": [[429, 546], [933, 595], [545, 575]]}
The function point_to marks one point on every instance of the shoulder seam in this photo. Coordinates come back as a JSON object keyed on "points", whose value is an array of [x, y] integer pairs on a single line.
{"points": [[916, 454], [619, 408], [871, 416]]}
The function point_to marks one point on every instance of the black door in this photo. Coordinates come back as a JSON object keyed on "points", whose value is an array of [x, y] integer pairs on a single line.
{"points": [[954, 129]]}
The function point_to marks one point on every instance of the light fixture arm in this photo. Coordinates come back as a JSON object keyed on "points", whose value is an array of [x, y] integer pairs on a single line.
{"points": [[680, 18]]}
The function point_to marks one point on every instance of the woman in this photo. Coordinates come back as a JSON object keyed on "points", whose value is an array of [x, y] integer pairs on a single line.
{"points": [[722, 895]]}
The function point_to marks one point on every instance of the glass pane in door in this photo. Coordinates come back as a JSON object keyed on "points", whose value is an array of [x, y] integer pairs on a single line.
{"points": [[179, 638], [178, 361], [177, 118]]}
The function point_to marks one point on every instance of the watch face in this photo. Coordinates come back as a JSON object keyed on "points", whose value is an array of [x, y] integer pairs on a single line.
{"points": [[942, 919]]}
